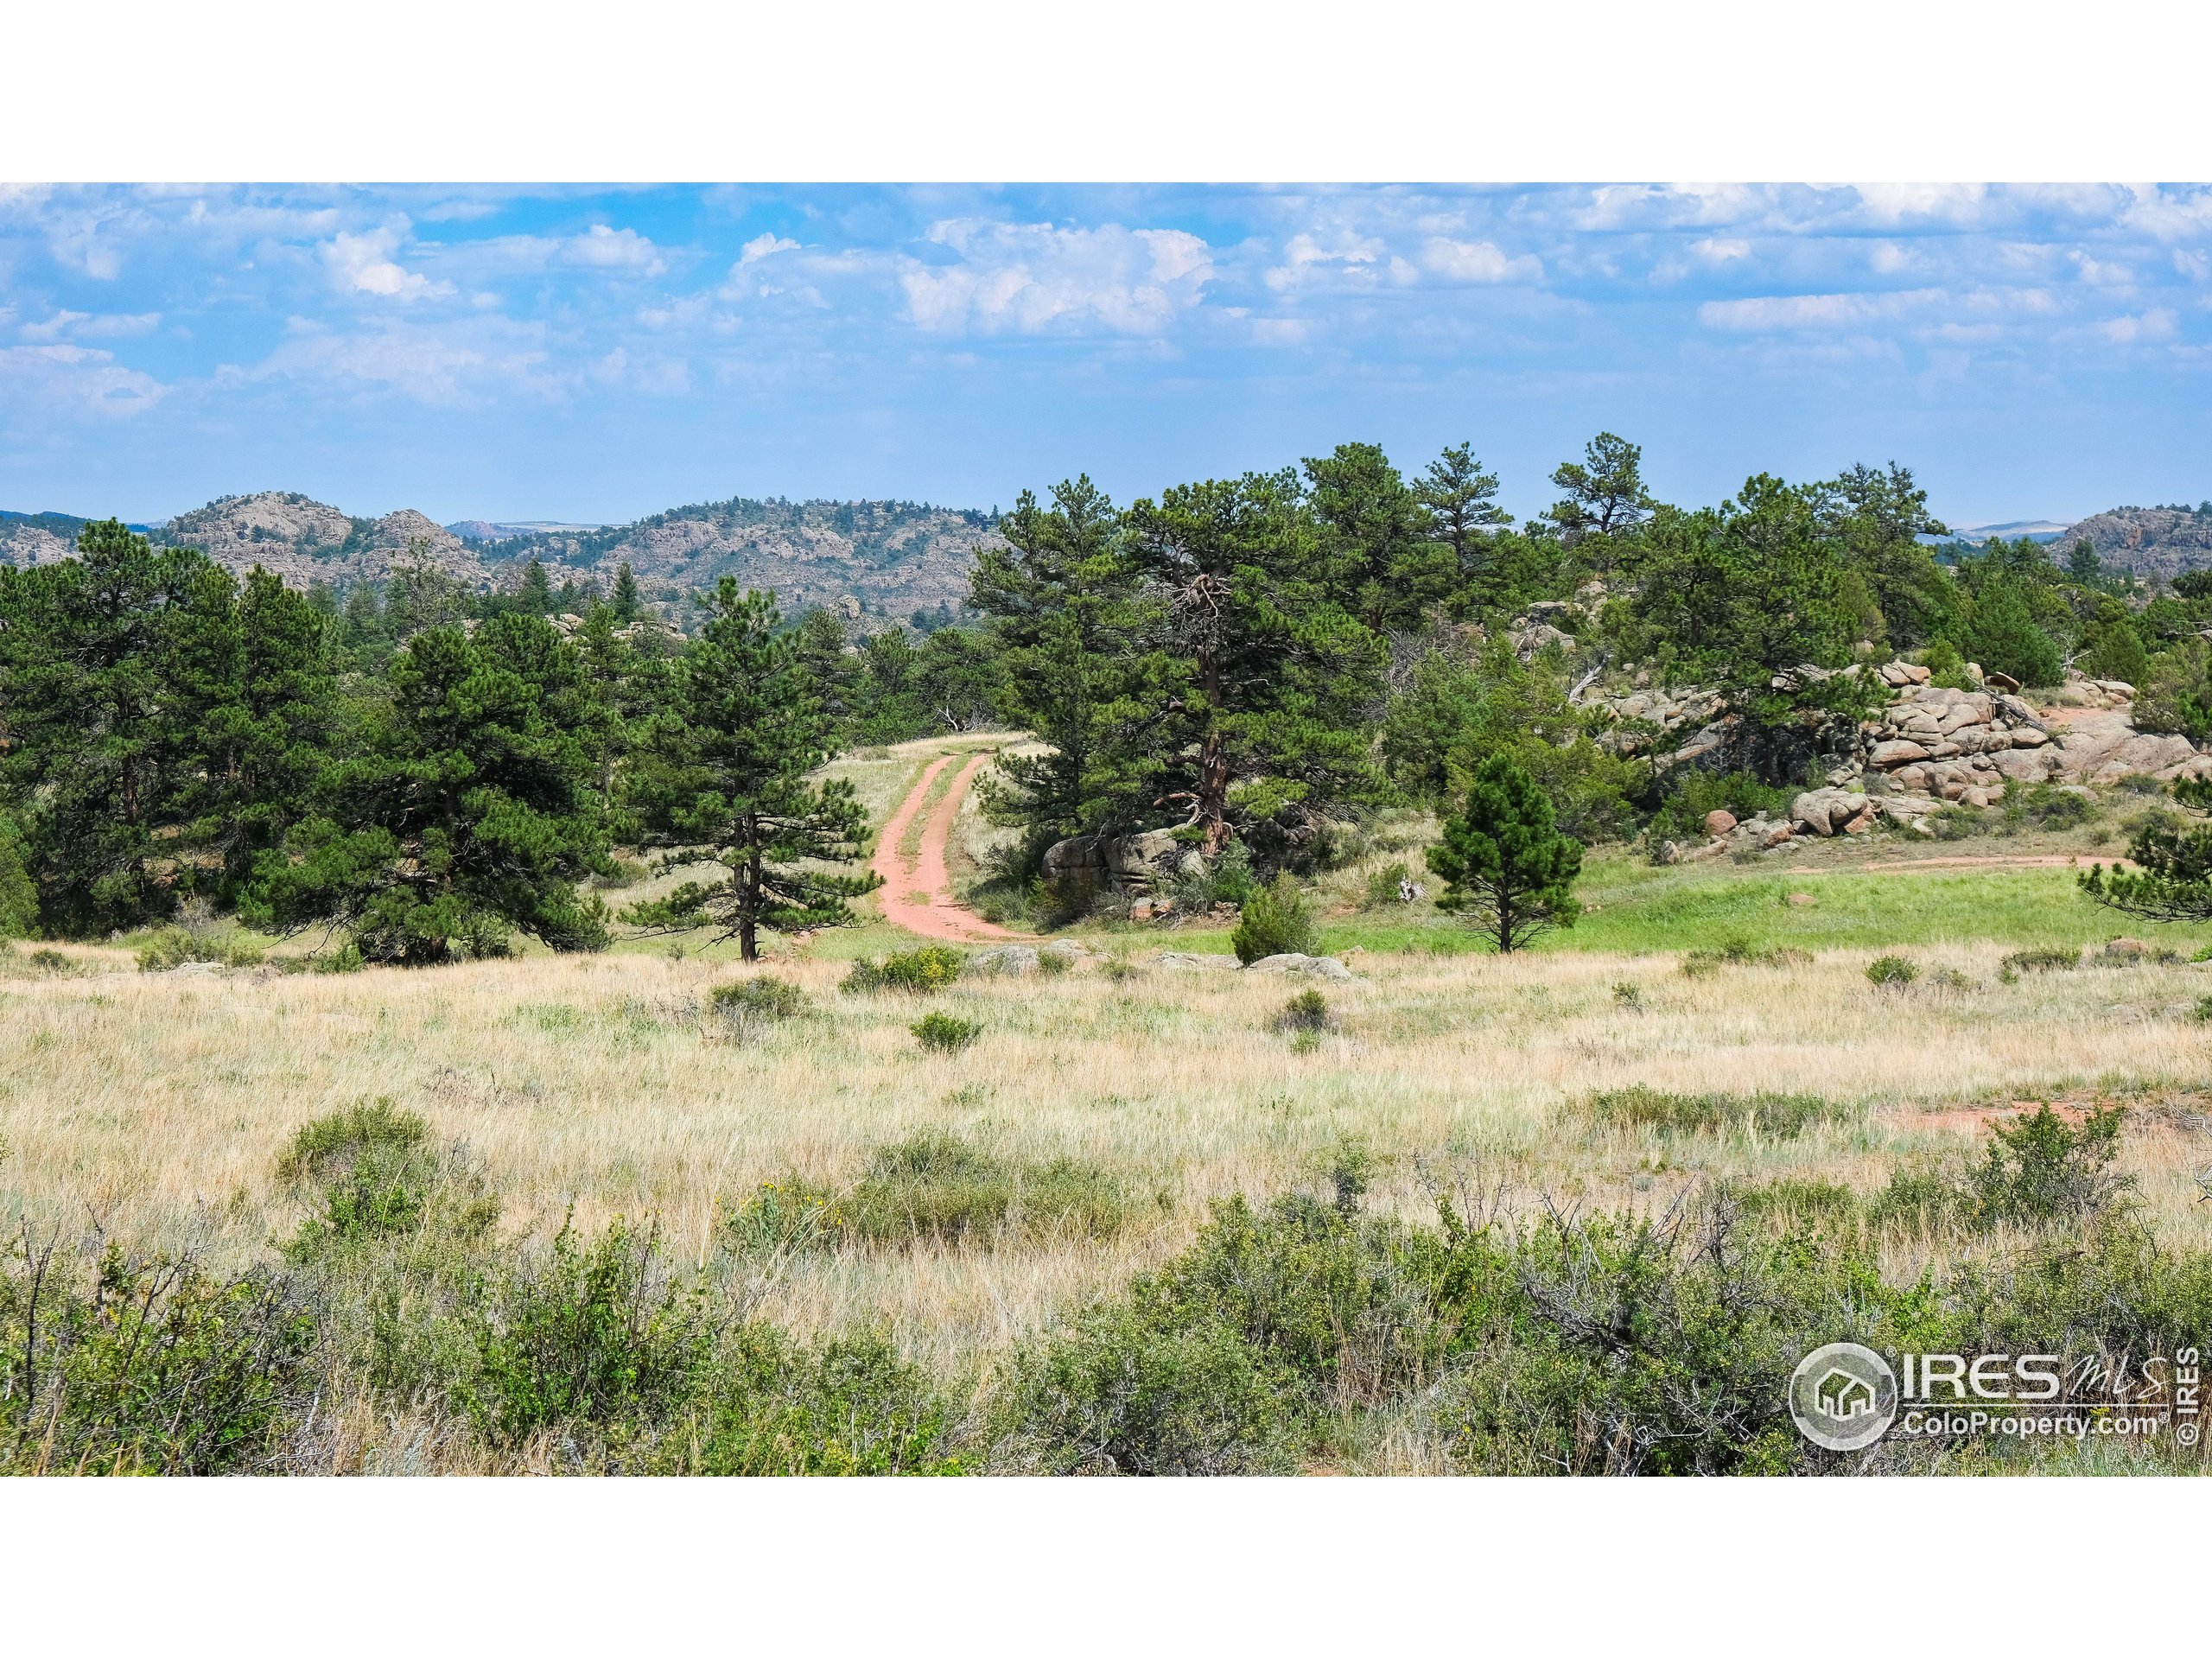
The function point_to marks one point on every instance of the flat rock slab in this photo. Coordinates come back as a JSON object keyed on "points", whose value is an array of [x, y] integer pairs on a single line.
{"points": [[1290, 961]]}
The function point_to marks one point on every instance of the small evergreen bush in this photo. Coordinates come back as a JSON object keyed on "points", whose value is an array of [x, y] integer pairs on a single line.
{"points": [[1275, 922], [946, 1033], [1891, 972], [1766, 1112]]}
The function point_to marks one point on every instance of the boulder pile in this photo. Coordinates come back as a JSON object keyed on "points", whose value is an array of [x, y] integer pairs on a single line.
{"points": [[1133, 863]]}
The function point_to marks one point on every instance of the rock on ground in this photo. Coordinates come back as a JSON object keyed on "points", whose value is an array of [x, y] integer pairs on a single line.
{"points": [[1291, 962]]}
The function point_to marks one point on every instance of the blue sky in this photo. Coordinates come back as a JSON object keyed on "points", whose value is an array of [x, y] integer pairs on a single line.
{"points": [[598, 354]]}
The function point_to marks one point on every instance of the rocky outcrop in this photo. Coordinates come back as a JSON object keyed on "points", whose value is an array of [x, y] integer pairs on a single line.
{"points": [[1134, 862], [1292, 962], [2146, 541]]}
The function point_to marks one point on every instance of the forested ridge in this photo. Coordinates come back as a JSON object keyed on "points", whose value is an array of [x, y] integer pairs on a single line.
{"points": [[421, 771]]}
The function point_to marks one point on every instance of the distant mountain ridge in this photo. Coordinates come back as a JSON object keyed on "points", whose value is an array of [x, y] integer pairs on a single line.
{"points": [[2148, 541], [888, 559]]}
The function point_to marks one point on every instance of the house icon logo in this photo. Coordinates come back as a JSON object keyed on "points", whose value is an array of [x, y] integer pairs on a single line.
{"points": [[1843, 1396]]}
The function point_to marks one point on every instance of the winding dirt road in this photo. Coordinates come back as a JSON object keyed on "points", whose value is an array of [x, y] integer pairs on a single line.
{"points": [[917, 893]]}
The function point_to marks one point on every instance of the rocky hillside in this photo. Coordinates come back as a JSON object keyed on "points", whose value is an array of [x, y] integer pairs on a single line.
{"points": [[881, 559], [2147, 541], [28, 539], [305, 541], [877, 562]]}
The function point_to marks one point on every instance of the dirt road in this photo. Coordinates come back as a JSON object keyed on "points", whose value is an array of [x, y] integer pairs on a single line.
{"points": [[917, 895]]}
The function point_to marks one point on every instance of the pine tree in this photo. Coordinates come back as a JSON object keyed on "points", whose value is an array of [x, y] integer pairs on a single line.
{"points": [[2172, 879], [1504, 860], [95, 740], [1386, 567], [535, 595], [1604, 490], [628, 605], [1461, 500], [471, 812], [729, 781], [2002, 634]]}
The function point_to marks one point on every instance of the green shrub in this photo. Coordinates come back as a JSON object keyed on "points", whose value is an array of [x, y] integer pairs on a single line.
{"points": [[1891, 972], [946, 1033], [1275, 922], [1384, 887], [1068, 1199], [154, 1366], [923, 972], [1921, 1201], [748, 1007], [852, 1407], [1307, 1011], [1626, 994], [1960, 823], [2203, 1012], [589, 1333], [1768, 1113], [172, 947], [2039, 1168], [1693, 794], [935, 1186], [1227, 879], [2040, 959], [380, 1176], [1740, 952], [931, 1185]]}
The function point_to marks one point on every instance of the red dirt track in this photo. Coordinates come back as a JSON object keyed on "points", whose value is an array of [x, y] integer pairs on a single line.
{"points": [[918, 895]]}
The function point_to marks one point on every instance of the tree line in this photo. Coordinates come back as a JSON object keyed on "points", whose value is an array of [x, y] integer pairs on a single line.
{"points": [[421, 772]]}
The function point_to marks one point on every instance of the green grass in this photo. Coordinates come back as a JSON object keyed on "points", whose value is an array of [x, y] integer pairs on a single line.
{"points": [[1643, 908]]}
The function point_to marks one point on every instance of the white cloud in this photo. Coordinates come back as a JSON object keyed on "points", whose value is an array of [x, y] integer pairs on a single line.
{"points": [[1030, 279], [1813, 310], [1478, 262], [604, 248], [1719, 250], [365, 264], [2100, 272], [85, 326], [2153, 326], [74, 379], [2192, 264], [444, 364], [762, 245], [1345, 260]]}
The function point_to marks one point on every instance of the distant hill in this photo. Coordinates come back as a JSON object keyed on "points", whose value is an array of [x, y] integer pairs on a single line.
{"points": [[2034, 529], [887, 559], [2148, 541]]}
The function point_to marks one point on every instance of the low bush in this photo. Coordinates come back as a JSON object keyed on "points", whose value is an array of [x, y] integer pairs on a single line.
{"points": [[946, 1033], [2039, 1168], [1275, 921], [2041, 959], [1626, 994], [1386, 886], [1797, 1200], [746, 1008], [147, 1364], [1740, 952], [1692, 795], [1891, 972], [1308, 1010], [935, 1185], [173, 947], [1767, 1113], [1925, 1202], [925, 972], [590, 1333]]}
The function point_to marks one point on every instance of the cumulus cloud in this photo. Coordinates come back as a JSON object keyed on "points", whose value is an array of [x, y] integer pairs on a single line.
{"points": [[364, 264], [85, 326], [762, 245], [1030, 279], [444, 364]]}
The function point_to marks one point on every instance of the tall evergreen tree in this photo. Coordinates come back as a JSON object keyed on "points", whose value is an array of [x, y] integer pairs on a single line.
{"points": [[1462, 502], [254, 689], [94, 745], [1604, 490], [472, 810], [2003, 637], [1386, 567], [729, 781], [1261, 715]]}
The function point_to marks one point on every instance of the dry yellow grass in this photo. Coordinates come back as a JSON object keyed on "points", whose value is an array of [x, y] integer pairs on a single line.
{"points": [[158, 1104]]}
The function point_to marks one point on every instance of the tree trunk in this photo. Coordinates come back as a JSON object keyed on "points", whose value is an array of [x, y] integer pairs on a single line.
{"points": [[1213, 794]]}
